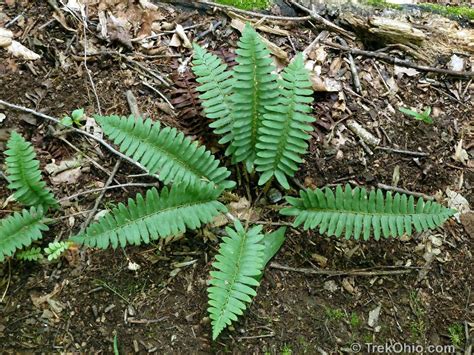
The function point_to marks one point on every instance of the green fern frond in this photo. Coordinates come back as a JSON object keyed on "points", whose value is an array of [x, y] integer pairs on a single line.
{"points": [[164, 151], [255, 88], [356, 212], [216, 86], [157, 215], [239, 261], [24, 176], [55, 249], [32, 254], [20, 230], [282, 136]]}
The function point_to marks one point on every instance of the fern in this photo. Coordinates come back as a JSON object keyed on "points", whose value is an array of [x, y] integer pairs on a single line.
{"points": [[355, 212], [282, 138], [20, 230], [166, 151], [239, 261], [24, 176], [32, 254], [216, 86], [157, 215], [55, 249], [255, 89]]}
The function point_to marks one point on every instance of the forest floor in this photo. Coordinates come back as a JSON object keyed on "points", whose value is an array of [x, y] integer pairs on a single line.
{"points": [[88, 298]]}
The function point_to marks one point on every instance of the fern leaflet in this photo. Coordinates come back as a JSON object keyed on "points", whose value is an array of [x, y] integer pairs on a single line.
{"points": [[24, 175], [282, 135], [157, 215], [239, 261], [216, 86], [55, 249], [20, 230], [166, 151], [357, 213], [255, 88], [32, 254]]}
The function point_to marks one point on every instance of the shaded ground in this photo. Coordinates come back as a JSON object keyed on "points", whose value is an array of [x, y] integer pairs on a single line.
{"points": [[162, 306]]}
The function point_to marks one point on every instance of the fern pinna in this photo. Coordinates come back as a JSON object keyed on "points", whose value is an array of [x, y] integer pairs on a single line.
{"points": [[163, 214], [24, 175], [282, 136], [216, 86], [239, 262], [164, 150], [20, 230], [355, 213]]}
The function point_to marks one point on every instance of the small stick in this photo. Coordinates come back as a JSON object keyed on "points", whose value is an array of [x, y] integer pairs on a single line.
{"points": [[159, 93], [353, 67], [90, 135], [403, 191], [254, 14], [133, 184], [101, 196], [398, 61], [402, 151], [362, 133], [315, 16], [361, 272]]}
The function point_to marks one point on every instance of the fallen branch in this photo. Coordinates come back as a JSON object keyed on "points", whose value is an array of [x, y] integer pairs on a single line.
{"points": [[398, 61], [403, 151], [253, 14], [360, 272], [73, 129], [317, 17]]}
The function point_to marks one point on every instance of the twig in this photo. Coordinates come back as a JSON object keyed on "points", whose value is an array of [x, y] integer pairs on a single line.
{"points": [[159, 93], [254, 14], [353, 67], [322, 35], [132, 103], [8, 281], [402, 151], [360, 272], [403, 191], [132, 184], [90, 135], [398, 61], [317, 17], [362, 133], [101, 196]]}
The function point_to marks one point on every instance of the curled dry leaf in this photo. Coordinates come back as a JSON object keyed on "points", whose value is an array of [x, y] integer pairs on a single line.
{"points": [[5, 37], [182, 35], [20, 51], [460, 154]]}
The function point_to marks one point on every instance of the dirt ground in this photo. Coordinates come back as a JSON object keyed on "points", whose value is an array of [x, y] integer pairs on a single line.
{"points": [[83, 301]]}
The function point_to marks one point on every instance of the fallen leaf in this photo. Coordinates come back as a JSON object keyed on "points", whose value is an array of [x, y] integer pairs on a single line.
{"points": [[20, 51], [5, 37], [399, 71], [182, 35], [331, 286], [374, 316], [67, 177], [458, 202], [460, 154], [456, 63]]}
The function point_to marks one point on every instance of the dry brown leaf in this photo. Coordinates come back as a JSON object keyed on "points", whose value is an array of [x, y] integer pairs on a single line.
{"points": [[20, 51], [182, 35]]}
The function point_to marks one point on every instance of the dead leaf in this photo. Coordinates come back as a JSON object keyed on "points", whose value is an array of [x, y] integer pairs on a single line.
{"points": [[399, 71], [458, 202], [242, 210], [460, 154], [175, 41], [456, 63], [117, 31], [374, 316], [182, 35], [325, 85], [20, 51], [54, 169], [467, 220], [67, 177], [5, 37]]}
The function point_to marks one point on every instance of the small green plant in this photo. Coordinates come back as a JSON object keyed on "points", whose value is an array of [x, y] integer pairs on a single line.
{"points": [[247, 4], [456, 334], [264, 120], [457, 11], [418, 325], [76, 118], [355, 320], [424, 116], [286, 350], [334, 313]]}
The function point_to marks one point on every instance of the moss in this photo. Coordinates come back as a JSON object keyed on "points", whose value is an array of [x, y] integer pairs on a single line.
{"points": [[246, 4], [458, 11], [383, 3]]}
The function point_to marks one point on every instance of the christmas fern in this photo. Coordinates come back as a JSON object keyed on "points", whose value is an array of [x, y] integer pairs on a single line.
{"points": [[20, 230], [216, 86], [254, 90], [355, 212], [282, 136], [164, 150], [24, 175], [32, 254], [157, 215], [239, 262]]}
